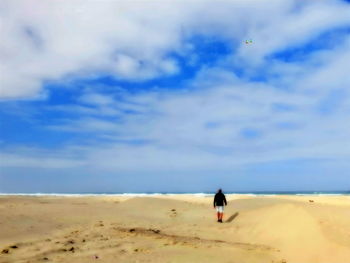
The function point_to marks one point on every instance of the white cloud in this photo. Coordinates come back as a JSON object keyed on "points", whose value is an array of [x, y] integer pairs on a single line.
{"points": [[287, 28], [332, 70], [197, 128], [96, 99], [85, 125], [48, 41], [38, 158], [203, 130]]}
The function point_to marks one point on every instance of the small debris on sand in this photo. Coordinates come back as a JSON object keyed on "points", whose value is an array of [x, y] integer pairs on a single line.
{"points": [[156, 231], [5, 251]]}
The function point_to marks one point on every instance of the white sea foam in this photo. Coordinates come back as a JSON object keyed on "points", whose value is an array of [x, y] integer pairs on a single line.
{"points": [[103, 194], [166, 194]]}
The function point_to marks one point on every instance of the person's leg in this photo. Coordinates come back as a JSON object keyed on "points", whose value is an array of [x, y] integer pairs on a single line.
{"points": [[218, 215]]}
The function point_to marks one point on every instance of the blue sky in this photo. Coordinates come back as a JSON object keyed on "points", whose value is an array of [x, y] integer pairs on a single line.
{"points": [[112, 96]]}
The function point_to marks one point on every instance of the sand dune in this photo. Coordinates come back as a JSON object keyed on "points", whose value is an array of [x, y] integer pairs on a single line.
{"points": [[171, 229]]}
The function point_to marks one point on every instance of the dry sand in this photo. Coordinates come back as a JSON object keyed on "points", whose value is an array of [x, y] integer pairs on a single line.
{"points": [[174, 229]]}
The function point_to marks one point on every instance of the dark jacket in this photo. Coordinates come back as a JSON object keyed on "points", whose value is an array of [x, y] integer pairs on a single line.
{"points": [[220, 199]]}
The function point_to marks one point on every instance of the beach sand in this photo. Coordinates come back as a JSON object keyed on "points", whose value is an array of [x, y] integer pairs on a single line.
{"points": [[178, 228]]}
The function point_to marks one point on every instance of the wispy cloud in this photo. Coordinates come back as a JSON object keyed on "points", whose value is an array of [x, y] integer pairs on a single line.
{"points": [[130, 41], [125, 89]]}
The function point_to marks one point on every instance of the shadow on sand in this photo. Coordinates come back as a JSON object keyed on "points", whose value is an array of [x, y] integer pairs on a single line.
{"points": [[231, 218]]}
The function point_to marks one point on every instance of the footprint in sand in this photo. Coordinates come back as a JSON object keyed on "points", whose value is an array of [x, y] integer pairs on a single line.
{"points": [[100, 224], [70, 242], [173, 213], [141, 250], [5, 251]]}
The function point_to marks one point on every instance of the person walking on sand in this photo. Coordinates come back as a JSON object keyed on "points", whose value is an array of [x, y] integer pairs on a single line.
{"points": [[219, 202]]}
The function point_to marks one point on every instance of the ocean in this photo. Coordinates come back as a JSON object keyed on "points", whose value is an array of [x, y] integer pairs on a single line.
{"points": [[203, 194]]}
